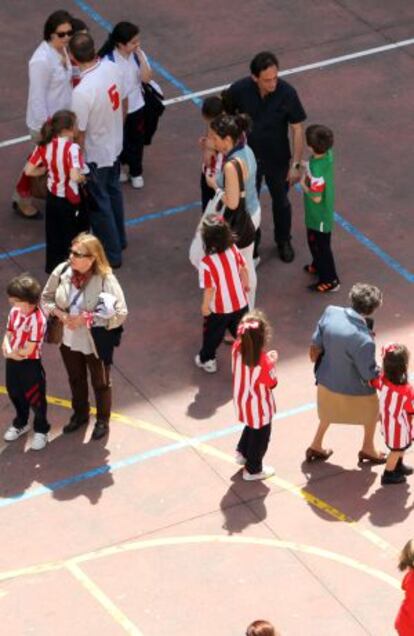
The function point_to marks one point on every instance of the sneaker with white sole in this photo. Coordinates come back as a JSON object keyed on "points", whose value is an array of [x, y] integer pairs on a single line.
{"points": [[124, 175], [210, 366], [14, 433], [137, 182], [39, 441], [240, 459], [267, 472]]}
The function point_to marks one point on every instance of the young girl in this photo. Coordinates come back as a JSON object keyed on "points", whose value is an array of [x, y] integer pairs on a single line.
{"points": [[212, 160], [254, 378], [261, 628], [396, 397], [124, 49], [59, 157], [404, 623], [224, 278]]}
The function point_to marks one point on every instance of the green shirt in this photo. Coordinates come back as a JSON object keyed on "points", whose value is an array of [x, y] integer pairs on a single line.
{"points": [[319, 216]]}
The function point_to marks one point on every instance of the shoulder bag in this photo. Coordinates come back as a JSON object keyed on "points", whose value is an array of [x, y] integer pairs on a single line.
{"points": [[239, 220]]}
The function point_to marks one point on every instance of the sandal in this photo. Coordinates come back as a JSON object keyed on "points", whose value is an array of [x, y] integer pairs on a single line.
{"points": [[373, 459], [312, 455]]}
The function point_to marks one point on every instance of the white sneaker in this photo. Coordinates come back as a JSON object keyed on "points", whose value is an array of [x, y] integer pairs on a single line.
{"points": [[137, 182], [267, 472], [210, 366], [39, 441], [14, 433], [124, 175], [240, 459]]}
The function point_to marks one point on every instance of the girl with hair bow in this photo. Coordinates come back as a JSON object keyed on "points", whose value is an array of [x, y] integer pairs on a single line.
{"points": [[254, 377]]}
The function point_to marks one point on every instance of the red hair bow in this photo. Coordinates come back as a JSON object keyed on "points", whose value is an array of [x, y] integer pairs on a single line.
{"points": [[388, 349], [248, 324]]}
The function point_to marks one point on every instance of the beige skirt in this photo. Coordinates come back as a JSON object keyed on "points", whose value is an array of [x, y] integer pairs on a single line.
{"points": [[338, 408]]}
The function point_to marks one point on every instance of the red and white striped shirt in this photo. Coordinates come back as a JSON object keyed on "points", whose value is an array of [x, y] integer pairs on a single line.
{"points": [[396, 408], [23, 328], [59, 157], [222, 272], [252, 389]]}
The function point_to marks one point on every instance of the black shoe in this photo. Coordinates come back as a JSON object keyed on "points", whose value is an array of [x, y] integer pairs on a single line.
{"points": [[392, 477], [74, 424], [286, 252], [37, 216], [100, 430], [403, 469]]}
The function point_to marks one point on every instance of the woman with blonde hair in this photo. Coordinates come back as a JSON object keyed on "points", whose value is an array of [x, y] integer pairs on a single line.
{"points": [[85, 297]]}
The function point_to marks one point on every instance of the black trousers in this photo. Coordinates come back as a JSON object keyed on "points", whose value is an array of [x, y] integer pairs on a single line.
{"points": [[323, 260], [253, 445], [275, 179], [215, 326], [207, 193], [133, 146], [77, 365], [26, 387], [64, 221]]}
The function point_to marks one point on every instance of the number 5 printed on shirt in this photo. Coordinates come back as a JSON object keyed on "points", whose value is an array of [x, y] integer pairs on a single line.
{"points": [[114, 96]]}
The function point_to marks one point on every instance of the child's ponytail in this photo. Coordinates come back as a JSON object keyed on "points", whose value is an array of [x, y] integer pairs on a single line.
{"points": [[61, 120], [407, 556], [253, 332]]}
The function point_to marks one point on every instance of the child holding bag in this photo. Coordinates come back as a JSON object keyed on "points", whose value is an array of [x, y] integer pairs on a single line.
{"points": [[60, 157]]}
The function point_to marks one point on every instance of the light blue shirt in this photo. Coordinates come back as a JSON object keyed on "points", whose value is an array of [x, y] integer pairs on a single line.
{"points": [[348, 361], [245, 153]]}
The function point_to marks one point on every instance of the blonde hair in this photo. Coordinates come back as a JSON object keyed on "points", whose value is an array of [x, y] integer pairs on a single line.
{"points": [[94, 247], [407, 556]]}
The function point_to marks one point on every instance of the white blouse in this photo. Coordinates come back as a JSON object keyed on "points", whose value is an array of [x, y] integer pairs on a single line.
{"points": [[50, 86]]}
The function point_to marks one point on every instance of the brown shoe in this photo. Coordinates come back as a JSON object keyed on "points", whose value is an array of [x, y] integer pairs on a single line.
{"points": [[315, 455], [381, 458]]}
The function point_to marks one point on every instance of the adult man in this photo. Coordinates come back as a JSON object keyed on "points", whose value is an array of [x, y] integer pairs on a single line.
{"points": [[275, 109], [97, 104]]}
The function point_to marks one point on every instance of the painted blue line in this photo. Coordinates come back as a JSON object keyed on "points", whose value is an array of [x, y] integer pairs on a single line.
{"points": [[105, 24], [137, 458], [373, 247]]}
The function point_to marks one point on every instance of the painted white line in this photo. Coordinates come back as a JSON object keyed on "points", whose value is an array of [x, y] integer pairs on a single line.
{"points": [[16, 140], [290, 71], [300, 69]]}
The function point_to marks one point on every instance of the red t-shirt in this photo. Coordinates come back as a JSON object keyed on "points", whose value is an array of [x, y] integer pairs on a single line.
{"points": [[404, 623]]}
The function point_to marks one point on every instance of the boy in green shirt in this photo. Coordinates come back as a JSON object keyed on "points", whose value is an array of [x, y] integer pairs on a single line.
{"points": [[319, 194]]}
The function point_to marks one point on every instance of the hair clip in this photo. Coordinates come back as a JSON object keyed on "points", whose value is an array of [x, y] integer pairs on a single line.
{"points": [[388, 349], [248, 324]]}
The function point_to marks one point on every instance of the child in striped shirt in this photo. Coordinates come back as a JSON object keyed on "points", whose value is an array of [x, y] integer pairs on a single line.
{"points": [[254, 377], [396, 398], [224, 279], [25, 377], [61, 158]]}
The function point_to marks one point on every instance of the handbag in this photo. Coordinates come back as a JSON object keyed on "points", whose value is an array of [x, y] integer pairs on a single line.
{"points": [[196, 252], [153, 109], [239, 220], [105, 341], [54, 326]]}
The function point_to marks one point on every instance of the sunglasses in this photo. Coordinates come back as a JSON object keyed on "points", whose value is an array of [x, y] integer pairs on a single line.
{"points": [[63, 34], [79, 254]]}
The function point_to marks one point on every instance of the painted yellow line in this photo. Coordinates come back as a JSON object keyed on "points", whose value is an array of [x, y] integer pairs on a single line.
{"points": [[132, 546], [207, 449], [115, 613]]}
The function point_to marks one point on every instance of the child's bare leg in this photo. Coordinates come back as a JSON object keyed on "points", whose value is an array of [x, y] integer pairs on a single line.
{"points": [[317, 441], [392, 460], [368, 446]]}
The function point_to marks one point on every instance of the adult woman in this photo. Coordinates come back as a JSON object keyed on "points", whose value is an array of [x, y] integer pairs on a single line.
{"points": [[228, 136], [343, 350], [50, 90], [83, 292], [123, 47]]}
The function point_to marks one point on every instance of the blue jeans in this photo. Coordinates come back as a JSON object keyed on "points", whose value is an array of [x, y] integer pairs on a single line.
{"points": [[107, 210]]}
